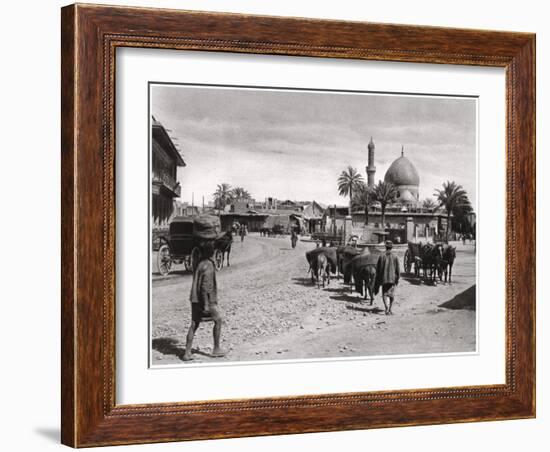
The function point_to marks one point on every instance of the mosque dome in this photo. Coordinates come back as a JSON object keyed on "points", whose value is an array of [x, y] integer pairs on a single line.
{"points": [[402, 172], [406, 196]]}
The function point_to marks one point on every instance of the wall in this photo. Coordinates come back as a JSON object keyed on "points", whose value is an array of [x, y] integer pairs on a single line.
{"points": [[30, 268]]}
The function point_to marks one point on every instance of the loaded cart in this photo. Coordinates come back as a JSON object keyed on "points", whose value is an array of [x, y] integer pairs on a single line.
{"points": [[182, 244]]}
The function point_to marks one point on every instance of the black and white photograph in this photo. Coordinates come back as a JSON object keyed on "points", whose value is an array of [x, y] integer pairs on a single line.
{"points": [[301, 224]]}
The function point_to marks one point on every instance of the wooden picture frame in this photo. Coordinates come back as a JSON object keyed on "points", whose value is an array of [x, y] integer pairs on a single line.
{"points": [[90, 36]]}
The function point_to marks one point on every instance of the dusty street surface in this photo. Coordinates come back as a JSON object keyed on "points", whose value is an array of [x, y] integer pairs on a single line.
{"points": [[272, 311]]}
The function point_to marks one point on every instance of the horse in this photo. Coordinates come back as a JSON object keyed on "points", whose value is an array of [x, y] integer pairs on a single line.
{"points": [[432, 261], [449, 255], [322, 270], [312, 260], [363, 268], [223, 243], [344, 256]]}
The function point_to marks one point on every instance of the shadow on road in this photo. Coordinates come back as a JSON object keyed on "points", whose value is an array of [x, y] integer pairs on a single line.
{"points": [[182, 272], [168, 346], [370, 310], [347, 298], [464, 300], [412, 280], [338, 289], [303, 281]]}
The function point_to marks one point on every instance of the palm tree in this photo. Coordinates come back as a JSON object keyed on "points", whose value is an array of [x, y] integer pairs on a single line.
{"points": [[429, 204], [385, 193], [460, 218], [222, 196], [363, 200], [349, 182], [451, 196], [240, 193]]}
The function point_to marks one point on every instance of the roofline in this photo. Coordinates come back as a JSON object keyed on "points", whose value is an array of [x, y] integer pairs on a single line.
{"points": [[408, 214], [172, 146]]}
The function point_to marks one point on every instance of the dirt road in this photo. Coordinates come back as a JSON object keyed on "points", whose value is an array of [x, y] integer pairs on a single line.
{"points": [[272, 311]]}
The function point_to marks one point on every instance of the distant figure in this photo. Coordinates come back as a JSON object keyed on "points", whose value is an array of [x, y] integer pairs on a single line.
{"points": [[293, 238], [387, 276], [243, 232], [204, 301]]}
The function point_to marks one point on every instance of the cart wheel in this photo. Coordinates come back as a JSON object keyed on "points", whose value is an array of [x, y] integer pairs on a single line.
{"points": [[164, 261], [218, 259], [195, 258], [407, 262]]}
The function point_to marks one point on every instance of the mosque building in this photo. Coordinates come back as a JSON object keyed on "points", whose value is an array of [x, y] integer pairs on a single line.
{"points": [[404, 176], [406, 219]]}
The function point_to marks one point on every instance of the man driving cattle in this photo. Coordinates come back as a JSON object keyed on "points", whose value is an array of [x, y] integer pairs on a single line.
{"points": [[387, 275], [204, 301]]}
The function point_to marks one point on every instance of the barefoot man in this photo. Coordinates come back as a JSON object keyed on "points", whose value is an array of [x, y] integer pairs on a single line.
{"points": [[204, 301], [387, 275]]}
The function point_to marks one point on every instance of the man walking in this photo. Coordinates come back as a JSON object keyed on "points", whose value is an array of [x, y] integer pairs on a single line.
{"points": [[204, 301], [243, 232], [293, 238], [387, 276]]}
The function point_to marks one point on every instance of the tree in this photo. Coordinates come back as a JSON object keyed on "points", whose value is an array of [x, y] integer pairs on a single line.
{"points": [[385, 193], [362, 199], [240, 193], [429, 204], [460, 219], [349, 182], [222, 196], [452, 196]]}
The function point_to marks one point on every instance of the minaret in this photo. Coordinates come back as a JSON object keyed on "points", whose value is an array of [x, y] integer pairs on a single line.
{"points": [[371, 169]]}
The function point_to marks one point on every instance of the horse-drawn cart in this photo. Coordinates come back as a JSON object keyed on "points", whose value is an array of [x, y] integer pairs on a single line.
{"points": [[412, 253], [427, 257], [186, 235]]}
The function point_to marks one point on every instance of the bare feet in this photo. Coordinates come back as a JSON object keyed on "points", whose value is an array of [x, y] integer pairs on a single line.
{"points": [[187, 357], [217, 353]]}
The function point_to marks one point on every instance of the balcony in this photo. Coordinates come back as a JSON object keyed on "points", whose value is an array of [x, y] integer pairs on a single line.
{"points": [[166, 185]]}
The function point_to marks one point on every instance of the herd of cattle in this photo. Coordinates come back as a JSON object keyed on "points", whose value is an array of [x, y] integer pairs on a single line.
{"points": [[429, 261]]}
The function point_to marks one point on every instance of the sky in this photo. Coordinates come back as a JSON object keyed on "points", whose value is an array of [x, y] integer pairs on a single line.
{"points": [[293, 144]]}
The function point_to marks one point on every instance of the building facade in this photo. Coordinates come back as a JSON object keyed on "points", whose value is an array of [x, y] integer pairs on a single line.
{"points": [[165, 188]]}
